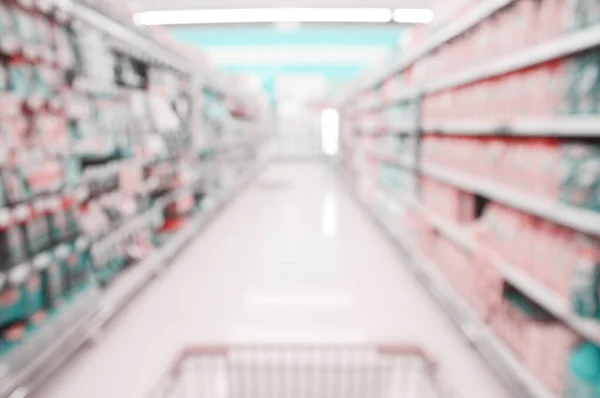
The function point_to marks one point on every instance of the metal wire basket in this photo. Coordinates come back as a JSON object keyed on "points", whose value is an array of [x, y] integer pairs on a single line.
{"points": [[302, 371]]}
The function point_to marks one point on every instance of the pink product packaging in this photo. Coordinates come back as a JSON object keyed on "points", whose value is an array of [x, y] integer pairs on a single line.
{"points": [[529, 261], [553, 250], [542, 248], [547, 180], [466, 207], [565, 262]]}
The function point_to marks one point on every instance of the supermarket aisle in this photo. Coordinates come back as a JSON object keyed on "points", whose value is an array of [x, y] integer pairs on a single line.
{"points": [[296, 260]]}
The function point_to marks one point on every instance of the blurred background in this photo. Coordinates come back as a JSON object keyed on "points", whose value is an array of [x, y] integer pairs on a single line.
{"points": [[385, 198]]}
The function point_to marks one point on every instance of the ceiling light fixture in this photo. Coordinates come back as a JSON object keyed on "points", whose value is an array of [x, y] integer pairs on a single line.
{"points": [[264, 15], [412, 15]]}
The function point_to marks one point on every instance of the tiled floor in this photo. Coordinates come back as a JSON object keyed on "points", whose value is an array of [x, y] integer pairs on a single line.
{"points": [[296, 261]]}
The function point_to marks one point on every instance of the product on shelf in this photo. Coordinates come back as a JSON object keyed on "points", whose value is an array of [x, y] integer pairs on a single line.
{"points": [[88, 123], [489, 87]]}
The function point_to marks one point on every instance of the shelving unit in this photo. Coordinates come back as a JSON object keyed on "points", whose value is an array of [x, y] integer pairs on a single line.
{"points": [[30, 364], [522, 383], [143, 170], [478, 177]]}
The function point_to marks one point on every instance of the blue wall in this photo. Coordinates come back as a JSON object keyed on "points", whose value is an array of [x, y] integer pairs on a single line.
{"points": [[304, 36]]}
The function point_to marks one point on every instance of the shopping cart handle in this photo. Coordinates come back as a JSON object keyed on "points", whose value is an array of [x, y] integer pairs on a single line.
{"points": [[408, 349]]}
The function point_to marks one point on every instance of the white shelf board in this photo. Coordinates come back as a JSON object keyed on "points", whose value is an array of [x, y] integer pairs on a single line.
{"points": [[46, 349], [53, 345], [404, 198], [517, 376], [138, 40], [452, 231], [579, 219], [554, 49], [559, 126], [550, 301], [391, 158], [470, 19], [535, 290]]}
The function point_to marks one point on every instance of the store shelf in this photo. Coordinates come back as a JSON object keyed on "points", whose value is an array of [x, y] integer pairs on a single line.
{"points": [[517, 377], [579, 219], [128, 285], [559, 126], [44, 204], [451, 231], [550, 301], [470, 19], [45, 350], [134, 39], [392, 159], [27, 366], [404, 198], [536, 291], [557, 48]]}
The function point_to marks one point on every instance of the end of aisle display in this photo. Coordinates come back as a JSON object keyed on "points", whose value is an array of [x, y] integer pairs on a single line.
{"points": [[499, 183]]}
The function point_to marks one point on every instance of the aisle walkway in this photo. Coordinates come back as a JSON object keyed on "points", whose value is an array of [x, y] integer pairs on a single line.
{"points": [[293, 261]]}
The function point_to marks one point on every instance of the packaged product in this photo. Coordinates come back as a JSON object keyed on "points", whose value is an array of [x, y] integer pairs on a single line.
{"points": [[580, 174], [586, 278], [27, 33], [22, 79], [15, 185], [37, 233], [13, 296], [583, 84], [7, 29], [53, 282], [583, 372], [43, 173]]}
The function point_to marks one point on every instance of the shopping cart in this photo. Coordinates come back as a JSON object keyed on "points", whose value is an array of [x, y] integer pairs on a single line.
{"points": [[380, 371]]}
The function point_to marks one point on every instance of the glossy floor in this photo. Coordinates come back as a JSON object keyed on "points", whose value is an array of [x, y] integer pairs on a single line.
{"points": [[292, 259]]}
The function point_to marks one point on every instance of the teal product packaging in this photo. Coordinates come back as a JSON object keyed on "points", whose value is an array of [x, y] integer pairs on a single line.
{"points": [[27, 33], [583, 372], [7, 24], [586, 279], [34, 295], [580, 175], [54, 284], [59, 230], [15, 186], [13, 277], [4, 87], [583, 84], [79, 264], [37, 234], [65, 257], [22, 79]]}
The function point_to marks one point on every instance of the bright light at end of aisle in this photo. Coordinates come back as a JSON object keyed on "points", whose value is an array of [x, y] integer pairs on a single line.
{"points": [[264, 15], [412, 15], [330, 126]]}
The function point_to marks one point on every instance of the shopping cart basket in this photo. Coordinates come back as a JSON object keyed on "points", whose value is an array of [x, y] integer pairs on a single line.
{"points": [[380, 371]]}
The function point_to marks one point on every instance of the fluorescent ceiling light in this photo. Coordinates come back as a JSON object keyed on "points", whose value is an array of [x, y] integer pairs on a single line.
{"points": [[264, 15], [412, 15]]}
